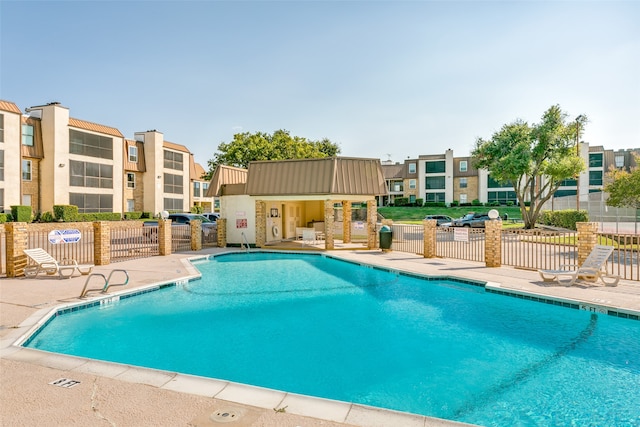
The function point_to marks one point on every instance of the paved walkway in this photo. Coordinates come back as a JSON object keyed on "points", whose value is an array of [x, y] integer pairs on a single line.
{"points": [[112, 394]]}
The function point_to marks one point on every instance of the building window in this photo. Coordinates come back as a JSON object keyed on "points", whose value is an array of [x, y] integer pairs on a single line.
{"points": [[569, 183], [27, 135], [463, 198], [92, 202], [463, 165], [434, 197], [463, 182], [1, 166], [131, 180], [435, 167], [205, 188], [412, 168], [173, 183], [196, 189], [595, 160], [1, 127], [133, 154], [94, 175], [435, 183], [412, 184], [26, 170], [619, 160], [1, 200], [172, 160], [26, 200], [492, 183], [172, 204], [412, 198], [595, 177], [131, 205], [88, 144], [502, 197]]}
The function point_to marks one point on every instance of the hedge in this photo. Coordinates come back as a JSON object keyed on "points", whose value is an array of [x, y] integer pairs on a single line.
{"points": [[565, 218]]}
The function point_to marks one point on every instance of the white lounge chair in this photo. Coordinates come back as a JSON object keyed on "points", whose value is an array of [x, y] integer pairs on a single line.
{"points": [[591, 270], [42, 261]]}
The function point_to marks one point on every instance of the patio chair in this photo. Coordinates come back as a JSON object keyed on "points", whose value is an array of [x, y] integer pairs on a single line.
{"points": [[44, 262], [591, 270]]}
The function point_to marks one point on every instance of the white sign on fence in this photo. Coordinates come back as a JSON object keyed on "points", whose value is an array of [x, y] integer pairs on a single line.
{"points": [[64, 236], [460, 234]]}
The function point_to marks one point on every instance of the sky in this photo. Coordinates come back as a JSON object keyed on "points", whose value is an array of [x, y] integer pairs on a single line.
{"points": [[382, 79]]}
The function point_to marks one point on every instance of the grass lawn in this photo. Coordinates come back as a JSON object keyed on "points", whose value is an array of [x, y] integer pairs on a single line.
{"points": [[416, 215]]}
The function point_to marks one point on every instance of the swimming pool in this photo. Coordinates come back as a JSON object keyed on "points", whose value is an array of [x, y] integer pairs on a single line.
{"points": [[314, 325]]}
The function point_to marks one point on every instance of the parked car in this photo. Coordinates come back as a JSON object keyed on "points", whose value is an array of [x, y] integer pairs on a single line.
{"points": [[441, 220], [186, 218], [475, 220], [212, 216]]}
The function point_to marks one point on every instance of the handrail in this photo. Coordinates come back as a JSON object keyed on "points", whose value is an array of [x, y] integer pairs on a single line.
{"points": [[246, 241], [106, 280], [85, 291], [108, 284]]}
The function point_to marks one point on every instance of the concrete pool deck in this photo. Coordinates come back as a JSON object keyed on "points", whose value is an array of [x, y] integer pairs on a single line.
{"points": [[113, 394]]}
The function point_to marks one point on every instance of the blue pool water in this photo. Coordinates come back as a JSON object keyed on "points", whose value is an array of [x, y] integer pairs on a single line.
{"points": [[313, 325]]}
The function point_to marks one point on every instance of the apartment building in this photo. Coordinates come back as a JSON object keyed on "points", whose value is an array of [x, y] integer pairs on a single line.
{"points": [[48, 158], [445, 178]]}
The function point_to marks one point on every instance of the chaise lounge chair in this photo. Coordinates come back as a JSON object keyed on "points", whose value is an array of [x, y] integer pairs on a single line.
{"points": [[591, 270], [44, 262]]}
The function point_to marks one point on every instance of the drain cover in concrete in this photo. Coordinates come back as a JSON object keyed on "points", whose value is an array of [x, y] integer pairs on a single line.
{"points": [[235, 415], [65, 383], [224, 416]]}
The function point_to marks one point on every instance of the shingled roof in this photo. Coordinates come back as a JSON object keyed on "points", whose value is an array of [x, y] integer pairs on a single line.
{"points": [[332, 175]]}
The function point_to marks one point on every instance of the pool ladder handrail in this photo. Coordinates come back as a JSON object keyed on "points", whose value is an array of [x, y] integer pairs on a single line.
{"points": [[107, 282], [244, 237]]}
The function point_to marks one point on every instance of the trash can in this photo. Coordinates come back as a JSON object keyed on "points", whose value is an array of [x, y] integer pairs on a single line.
{"points": [[385, 238]]}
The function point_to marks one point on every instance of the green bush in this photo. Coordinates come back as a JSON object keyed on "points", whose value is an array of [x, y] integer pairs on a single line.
{"points": [[5, 217], [401, 201], [99, 216], [455, 203], [509, 202], [476, 202], [66, 213], [435, 205], [419, 202], [494, 203], [21, 213], [565, 218], [132, 215], [146, 215], [197, 209], [46, 217]]}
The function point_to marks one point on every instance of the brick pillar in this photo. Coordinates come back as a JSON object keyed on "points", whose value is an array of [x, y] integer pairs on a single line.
{"points": [[587, 239], [261, 223], [430, 227], [196, 235], [493, 243], [346, 221], [372, 219], [16, 238], [328, 225], [101, 243], [222, 232], [164, 236]]}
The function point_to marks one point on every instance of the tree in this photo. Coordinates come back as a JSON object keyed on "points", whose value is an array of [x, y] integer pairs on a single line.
{"points": [[247, 147], [535, 159], [623, 188]]}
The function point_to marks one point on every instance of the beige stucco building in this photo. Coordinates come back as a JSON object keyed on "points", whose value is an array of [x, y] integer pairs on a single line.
{"points": [[49, 158]]}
